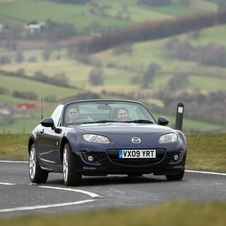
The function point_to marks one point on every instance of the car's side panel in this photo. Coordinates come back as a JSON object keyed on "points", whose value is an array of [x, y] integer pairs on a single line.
{"points": [[48, 149]]}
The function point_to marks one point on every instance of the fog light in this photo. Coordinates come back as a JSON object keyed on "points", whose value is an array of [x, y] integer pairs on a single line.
{"points": [[90, 158], [175, 157]]}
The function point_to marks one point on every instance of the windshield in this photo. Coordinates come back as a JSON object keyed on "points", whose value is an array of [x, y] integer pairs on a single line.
{"points": [[106, 111]]}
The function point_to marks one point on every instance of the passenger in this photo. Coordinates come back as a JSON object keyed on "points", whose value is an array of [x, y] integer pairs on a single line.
{"points": [[122, 115]]}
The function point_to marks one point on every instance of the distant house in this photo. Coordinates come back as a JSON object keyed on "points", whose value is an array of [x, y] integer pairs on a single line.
{"points": [[26, 105], [5, 109], [9, 111], [35, 28]]}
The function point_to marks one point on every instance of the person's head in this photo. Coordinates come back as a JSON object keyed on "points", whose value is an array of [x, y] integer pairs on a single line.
{"points": [[122, 114], [73, 113]]}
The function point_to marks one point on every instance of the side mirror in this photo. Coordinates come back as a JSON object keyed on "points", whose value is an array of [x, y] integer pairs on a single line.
{"points": [[163, 121], [47, 122]]}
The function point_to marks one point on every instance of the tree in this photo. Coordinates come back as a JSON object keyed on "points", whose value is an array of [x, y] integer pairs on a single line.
{"points": [[5, 60], [46, 54], [19, 57], [4, 90], [178, 80], [154, 2], [149, 74], [123, 48], [26, 95], [61, 78], [32, 59], [20, 72], [96, 76]]}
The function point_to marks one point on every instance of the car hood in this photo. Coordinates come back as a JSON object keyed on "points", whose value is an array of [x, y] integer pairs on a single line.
{"points": [[122, 128]]}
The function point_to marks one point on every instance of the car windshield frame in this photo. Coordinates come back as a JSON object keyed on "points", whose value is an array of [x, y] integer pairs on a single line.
{"points": [[104, 111]]}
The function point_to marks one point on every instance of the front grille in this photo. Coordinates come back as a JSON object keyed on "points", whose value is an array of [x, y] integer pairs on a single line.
{"points": [[114, 156]]}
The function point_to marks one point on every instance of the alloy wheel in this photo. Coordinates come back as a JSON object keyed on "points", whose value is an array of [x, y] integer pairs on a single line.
{"points": [[32, 163], [65, 164]]}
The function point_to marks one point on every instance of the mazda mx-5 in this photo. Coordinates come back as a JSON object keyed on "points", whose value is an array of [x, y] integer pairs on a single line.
{"points": [[101, 137]]}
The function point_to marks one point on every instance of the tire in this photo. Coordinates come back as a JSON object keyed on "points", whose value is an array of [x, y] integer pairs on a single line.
{"points": [[36, 174], [70, 175], [178, 176]]}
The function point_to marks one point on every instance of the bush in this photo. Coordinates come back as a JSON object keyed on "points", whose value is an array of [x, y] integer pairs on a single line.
{"points": [[20, 72], [4, 91], [26, 95], [32, 59]]}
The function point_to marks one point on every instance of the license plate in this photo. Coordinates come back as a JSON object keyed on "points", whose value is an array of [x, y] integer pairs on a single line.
{"points": [[133, 154]]}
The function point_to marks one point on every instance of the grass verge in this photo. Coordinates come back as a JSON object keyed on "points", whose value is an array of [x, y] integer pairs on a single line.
{"points": [[205, 152], [176, 213]]}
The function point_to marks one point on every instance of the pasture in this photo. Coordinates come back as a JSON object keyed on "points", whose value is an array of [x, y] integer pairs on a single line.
{"points": [[118, 80], [203, 78], [116, 13]]}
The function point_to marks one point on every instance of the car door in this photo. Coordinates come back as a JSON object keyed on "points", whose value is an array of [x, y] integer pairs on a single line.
{"points": [[48, 142]]}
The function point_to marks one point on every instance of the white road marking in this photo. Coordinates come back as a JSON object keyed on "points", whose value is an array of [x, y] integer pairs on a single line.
{"points": [[91, 194], [205, 172], [1, 183], [8, 161], [43, 206]]}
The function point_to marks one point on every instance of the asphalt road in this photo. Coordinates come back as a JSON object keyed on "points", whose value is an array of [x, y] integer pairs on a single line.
{"points": [[19, 197]]}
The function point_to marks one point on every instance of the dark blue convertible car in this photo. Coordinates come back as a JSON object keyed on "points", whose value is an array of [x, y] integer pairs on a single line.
{"points": [[101, 137]]}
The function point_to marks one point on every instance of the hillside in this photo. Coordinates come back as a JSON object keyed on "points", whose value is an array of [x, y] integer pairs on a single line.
{"points": [[115, 13], [171, 77]]}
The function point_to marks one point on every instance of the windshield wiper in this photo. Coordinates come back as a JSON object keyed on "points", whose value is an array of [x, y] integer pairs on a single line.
{"points": [[132, 121], [103, 121], [141, 121], [91, 122]]}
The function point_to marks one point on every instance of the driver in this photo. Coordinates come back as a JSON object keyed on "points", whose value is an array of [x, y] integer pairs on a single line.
{"points": [[73, 114]]}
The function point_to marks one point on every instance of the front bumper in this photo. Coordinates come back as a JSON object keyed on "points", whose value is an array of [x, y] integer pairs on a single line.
{"points": [[108, 162]]}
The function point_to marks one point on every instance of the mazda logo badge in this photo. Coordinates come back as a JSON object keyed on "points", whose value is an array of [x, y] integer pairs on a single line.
{"points": [[136, 140]]}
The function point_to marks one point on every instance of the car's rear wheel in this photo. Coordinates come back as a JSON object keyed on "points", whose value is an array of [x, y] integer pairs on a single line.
{"points": [[36, 173], [70, 174], [178, 176]]}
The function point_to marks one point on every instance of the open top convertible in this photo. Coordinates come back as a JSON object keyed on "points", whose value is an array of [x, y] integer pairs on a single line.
{"points": [[98, 142]]}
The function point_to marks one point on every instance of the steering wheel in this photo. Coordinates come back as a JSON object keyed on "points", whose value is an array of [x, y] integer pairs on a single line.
{"points": [[83, 119]]}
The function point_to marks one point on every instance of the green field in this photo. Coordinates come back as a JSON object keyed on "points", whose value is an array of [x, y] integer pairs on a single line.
{"points": [[80, 16], [41, 89], [116, 79]]}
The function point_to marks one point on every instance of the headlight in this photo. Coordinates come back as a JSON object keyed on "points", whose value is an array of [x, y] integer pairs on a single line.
{"points": [[168, 138], [96, 138]]}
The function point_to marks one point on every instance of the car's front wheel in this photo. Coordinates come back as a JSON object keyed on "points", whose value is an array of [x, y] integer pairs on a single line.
{"points": [[70, 174], [36, 173], [178, 176]]}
